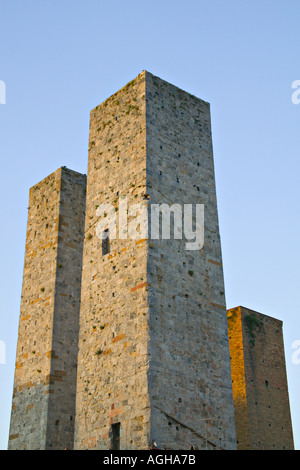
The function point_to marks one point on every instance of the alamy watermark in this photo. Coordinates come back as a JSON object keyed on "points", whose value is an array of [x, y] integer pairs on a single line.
{"points": [[132, 221], [2, 92], [296, 93], [2, 353], [296, 353]]}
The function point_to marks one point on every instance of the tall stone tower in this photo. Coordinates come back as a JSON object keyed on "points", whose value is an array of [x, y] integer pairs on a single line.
{"points": [[259, 382], [43, 408], [153, 361]]}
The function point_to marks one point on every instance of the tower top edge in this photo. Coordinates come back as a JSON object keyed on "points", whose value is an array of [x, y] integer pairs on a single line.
{"points": [[144, 74], [251, 311], [59, 170]]}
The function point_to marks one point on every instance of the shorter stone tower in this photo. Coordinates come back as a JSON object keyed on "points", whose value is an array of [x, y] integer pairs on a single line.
{"points": [[259, 382], [43, 408]]}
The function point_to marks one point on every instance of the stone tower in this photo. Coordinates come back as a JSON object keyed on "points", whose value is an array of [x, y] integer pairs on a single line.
{"points": [[153, 361], [259, 382], [123, 335], [43, 408]]}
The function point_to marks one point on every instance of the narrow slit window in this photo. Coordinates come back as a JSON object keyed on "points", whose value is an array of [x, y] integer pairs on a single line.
{"points": [[105, 242], [115, 436]]}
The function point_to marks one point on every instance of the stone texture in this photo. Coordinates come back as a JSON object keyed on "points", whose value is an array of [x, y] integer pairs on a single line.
{"points": [[259, 382], [167, 377], [113, 349], [43, 409], [189, 370]]}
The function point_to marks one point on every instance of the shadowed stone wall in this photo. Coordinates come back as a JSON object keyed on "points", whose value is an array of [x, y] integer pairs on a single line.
{"points": [[189, 372]]}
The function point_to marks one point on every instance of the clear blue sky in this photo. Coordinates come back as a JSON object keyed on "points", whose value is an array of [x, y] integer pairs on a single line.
{"points": [[59, 59]]}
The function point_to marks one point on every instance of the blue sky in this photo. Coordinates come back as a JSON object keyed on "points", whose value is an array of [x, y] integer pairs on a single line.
{"points": [[59, 59]]}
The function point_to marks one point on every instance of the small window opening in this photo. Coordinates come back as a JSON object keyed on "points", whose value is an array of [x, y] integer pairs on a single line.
{"points": [[115, 436], [105, 242]]}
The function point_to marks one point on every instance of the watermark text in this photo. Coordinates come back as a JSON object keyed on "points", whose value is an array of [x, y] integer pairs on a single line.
{"points": [[296, 93], [296, 353], [2, 92], [134, 221]]}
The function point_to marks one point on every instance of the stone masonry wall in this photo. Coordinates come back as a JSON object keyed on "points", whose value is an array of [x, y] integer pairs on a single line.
{"points": [[189, 375], [238, 378], [41, 361], [113, 358], [63, 373], [257, 350]]}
